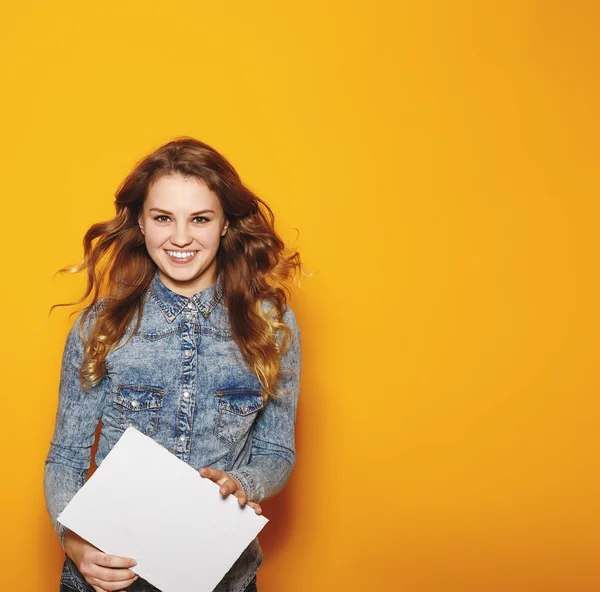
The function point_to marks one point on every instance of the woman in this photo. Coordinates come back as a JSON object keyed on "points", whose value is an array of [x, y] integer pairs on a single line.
{"points": [[188, 338]]}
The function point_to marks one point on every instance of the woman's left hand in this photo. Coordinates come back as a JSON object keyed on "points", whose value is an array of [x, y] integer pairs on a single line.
{"points": [[229, 485]]}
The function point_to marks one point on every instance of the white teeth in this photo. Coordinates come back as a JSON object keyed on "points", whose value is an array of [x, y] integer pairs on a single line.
{"points": [[181, 254]]}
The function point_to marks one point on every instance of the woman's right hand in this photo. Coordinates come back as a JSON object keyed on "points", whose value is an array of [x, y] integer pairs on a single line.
{"points": [[102, 572]]}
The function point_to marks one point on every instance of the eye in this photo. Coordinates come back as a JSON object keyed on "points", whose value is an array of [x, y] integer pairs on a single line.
{"points": [[200, 219], [162, 218]]}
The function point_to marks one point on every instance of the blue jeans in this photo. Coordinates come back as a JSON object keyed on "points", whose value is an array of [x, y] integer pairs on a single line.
{"points": [[68, 588], [64, 587], [67, 585]]}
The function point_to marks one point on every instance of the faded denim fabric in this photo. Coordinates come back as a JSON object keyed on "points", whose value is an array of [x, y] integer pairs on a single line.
{"points": [[181, 379]]}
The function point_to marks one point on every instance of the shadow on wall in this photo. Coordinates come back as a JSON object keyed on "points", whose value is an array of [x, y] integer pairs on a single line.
{"points": [[295, 502]]}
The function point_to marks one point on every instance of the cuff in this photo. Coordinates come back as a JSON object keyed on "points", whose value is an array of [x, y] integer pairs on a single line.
{"points": [[61, 530], [244, 478]]}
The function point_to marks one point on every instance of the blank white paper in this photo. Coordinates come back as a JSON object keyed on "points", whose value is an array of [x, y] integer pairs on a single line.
{"points": [[144, 502]]}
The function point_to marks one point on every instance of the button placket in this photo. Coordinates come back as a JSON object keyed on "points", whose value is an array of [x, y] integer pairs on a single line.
{"points": [[189, 360]]}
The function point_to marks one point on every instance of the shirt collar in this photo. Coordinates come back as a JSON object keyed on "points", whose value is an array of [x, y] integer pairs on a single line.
{"points": [[171, 303]]}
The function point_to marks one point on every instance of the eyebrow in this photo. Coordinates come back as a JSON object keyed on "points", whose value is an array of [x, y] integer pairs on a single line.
{"points": [[171, 213]]}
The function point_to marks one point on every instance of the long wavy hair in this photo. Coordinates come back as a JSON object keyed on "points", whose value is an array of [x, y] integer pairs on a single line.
{"points": [[252, 262]]}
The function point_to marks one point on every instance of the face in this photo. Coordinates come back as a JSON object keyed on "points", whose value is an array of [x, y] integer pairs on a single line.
{"points": [[182, 221]]}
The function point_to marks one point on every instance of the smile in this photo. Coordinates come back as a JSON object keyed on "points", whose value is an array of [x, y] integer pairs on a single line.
{"points": [[181, 256]]}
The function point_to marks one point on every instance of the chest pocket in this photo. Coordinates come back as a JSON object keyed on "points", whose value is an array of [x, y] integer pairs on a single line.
{"points": [[138, 406], [238, 409]]}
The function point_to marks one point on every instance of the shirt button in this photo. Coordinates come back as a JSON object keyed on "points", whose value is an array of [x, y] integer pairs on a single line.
{"points": [[134, 403], [186, 395], [188, 353], [182, 438], [190, 304]]}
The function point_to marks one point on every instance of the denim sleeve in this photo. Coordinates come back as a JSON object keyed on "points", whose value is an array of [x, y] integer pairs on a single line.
{"points": [[77, 417], [273, 450]]}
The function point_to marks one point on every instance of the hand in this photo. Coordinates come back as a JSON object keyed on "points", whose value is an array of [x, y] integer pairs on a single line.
{"points": [[229, 484], [101, 571]]}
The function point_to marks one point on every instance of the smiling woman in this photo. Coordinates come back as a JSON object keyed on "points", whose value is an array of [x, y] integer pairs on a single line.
{"points": [[208, 359], [183, 222]]}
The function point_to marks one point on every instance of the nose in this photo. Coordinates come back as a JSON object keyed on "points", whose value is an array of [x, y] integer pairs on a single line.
{"points": [[181, 236]]}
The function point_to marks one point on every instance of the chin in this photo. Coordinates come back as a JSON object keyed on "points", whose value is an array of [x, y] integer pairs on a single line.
{"points": [[182, 277]]}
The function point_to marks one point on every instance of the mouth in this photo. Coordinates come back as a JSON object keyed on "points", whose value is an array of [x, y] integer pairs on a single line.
{"points": [[180, 257]]}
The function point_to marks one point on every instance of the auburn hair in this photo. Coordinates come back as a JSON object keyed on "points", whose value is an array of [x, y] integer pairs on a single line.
{"points": [[252, 262]]}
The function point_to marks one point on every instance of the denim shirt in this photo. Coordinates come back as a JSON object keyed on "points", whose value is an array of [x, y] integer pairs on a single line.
{"points": [[182, 380]]}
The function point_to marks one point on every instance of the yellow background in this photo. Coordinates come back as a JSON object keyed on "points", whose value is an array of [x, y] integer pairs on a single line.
{"points": [[440, 162]]}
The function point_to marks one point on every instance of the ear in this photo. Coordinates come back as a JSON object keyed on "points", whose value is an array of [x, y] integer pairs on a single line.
{"points": [[225, 227], [141, 224]]}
